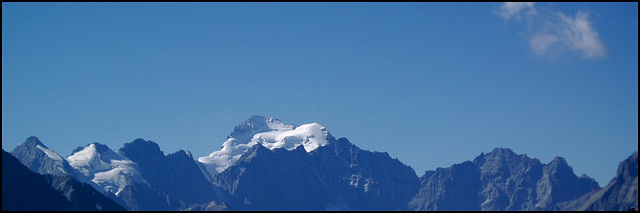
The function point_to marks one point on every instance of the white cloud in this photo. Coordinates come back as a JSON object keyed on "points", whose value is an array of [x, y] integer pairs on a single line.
{"points": [[554, 34], [579, 35], [511, 9]]}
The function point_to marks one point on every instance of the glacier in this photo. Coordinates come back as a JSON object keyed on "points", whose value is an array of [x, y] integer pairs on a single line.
{"points": [[109, 169], [268, 132]]}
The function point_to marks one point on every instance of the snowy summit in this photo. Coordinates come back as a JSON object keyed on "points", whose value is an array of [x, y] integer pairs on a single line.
{"points": [[268, 132], [107, 168]]}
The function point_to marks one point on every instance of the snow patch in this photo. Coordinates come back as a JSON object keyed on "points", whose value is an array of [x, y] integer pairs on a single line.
{"points": [[311, 136], [51, 154]]}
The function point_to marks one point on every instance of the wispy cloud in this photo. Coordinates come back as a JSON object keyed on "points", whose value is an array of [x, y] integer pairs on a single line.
{"points": [[541, 43], [579, 34], [510, 10], [554, 34]]}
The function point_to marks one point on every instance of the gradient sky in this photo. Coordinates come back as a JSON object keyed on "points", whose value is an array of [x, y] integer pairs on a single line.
{"points": [[432, 84]]}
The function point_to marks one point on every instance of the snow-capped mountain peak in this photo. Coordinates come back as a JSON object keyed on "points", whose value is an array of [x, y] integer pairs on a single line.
{"points": [[268, 132], [258, 124], [39, 158], [107, 168]]}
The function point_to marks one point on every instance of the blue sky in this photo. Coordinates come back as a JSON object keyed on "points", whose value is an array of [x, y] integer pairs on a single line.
{"points": [[432, 84]]}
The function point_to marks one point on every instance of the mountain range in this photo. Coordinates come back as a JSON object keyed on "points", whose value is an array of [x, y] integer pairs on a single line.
{"points": [[266, 164]]}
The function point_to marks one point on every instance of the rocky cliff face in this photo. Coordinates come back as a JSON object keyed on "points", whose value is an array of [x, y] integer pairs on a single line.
{"points": [[442, 189], [500, 180], [364, 180], [81, 195], [177, 175], [274, 180], [621, 194], [336, 176]]}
